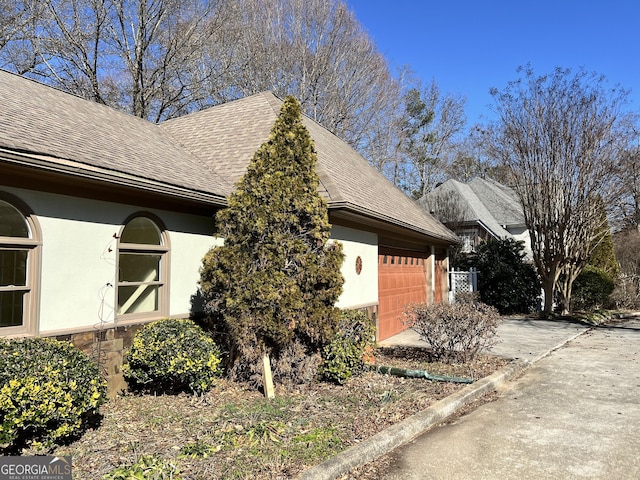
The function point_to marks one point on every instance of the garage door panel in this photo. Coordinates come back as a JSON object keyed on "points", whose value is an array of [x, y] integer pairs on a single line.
{"points": [[402, 280]]}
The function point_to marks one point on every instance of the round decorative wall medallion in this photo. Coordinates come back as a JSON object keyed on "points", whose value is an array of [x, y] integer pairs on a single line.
{"points": [[358, 265]]}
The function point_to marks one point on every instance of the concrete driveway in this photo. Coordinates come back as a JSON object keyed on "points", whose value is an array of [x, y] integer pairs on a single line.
{"points": [[573, 414]]}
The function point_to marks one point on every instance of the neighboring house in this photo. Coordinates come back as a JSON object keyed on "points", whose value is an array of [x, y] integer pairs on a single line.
{"points": [[479, 210], [105, 217]]}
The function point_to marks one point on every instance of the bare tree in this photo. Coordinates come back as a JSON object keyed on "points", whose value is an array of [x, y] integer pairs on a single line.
{"points": [[383, 142], [159, 59], [19, 21], [135, 55], [12, 19], [314, 50], [155, 40], [470, 158], [446, 206], [626, 211], [559, 135], [71, 46], [627, 251]]}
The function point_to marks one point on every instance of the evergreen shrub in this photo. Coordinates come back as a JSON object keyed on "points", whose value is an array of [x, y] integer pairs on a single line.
{"points": [[454, 332], [592, 288], [49, 392], [351, 349], [271, 288], [170, 356], [506, 280]]}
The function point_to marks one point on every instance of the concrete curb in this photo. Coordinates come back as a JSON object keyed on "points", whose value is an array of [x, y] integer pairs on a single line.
{"points": [[414, 426]]}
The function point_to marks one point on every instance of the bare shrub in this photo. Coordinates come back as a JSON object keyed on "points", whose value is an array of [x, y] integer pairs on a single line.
{"points": [[467, 297], [626, 293], [454, 332], [627, 251]]}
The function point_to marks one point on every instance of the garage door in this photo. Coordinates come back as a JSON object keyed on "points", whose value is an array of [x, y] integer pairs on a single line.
{"points": [[402, 279]]}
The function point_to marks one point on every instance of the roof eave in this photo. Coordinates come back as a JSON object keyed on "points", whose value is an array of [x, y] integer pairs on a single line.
{"points": [[364, 212], [89, 172]]}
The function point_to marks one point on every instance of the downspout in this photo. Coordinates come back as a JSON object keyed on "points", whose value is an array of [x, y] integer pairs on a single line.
{"points": [[432, 293], [446, 276]]}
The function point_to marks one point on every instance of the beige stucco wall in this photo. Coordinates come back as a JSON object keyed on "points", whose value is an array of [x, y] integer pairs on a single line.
{"points": [[359, 290], [79, 257]]}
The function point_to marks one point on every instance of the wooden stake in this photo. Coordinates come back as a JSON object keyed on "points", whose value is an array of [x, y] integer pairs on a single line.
{"points": [[267, 378]]}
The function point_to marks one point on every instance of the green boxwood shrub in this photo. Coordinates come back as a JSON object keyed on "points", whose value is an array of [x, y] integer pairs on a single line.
{"points": [[49, 392], [351, 349], [170, 356], [592, 288]]}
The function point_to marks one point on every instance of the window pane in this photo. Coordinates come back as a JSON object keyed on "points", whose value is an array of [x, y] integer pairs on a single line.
{"points": [[139, 268], [141, 230], [11, 308], [137, 299], [12, 223], [13, 267]]}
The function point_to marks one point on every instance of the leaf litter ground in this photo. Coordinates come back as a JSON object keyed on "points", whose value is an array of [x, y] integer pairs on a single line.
{"points": [[234, 432]]}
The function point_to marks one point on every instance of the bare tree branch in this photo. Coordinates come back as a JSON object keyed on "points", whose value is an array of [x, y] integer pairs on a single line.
{"points": [[560, 135]]}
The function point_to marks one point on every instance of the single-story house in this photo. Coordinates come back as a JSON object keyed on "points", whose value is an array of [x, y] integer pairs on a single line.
{"points": [[105, 217], [479, 210]]}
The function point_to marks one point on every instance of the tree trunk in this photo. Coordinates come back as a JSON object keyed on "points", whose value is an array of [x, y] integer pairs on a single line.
{"points": [[564, 292], [565, 299], [547, 286]]}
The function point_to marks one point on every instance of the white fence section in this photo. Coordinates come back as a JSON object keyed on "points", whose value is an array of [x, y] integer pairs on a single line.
{"points": [[462, 282]]}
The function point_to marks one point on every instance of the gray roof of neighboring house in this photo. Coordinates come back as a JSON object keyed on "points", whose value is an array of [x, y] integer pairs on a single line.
{"points": [[485, 201], [201, 155], [226, 136], [501, 201]]}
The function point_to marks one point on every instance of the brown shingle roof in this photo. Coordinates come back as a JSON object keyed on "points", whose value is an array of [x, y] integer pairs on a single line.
{"points": [[40, 120], [226, 136], [202, 154]]}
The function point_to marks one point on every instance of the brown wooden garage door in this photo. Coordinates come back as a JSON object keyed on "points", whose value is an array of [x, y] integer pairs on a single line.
{"points": [[402, 279]]}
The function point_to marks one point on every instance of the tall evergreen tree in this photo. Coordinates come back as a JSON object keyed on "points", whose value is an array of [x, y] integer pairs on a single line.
{"points": [[275, 282], [603, 255]]}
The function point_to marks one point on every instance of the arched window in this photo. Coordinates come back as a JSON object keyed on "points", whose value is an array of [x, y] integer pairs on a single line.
{"points": [[19, 267], [142, 269]]}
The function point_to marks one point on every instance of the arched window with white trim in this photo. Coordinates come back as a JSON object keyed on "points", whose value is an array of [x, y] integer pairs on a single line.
{"points": [[20, 240], [143, 248]]}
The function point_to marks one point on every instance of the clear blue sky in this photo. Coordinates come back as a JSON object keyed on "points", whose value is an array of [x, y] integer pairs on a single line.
{"points": [[469, 46]]}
